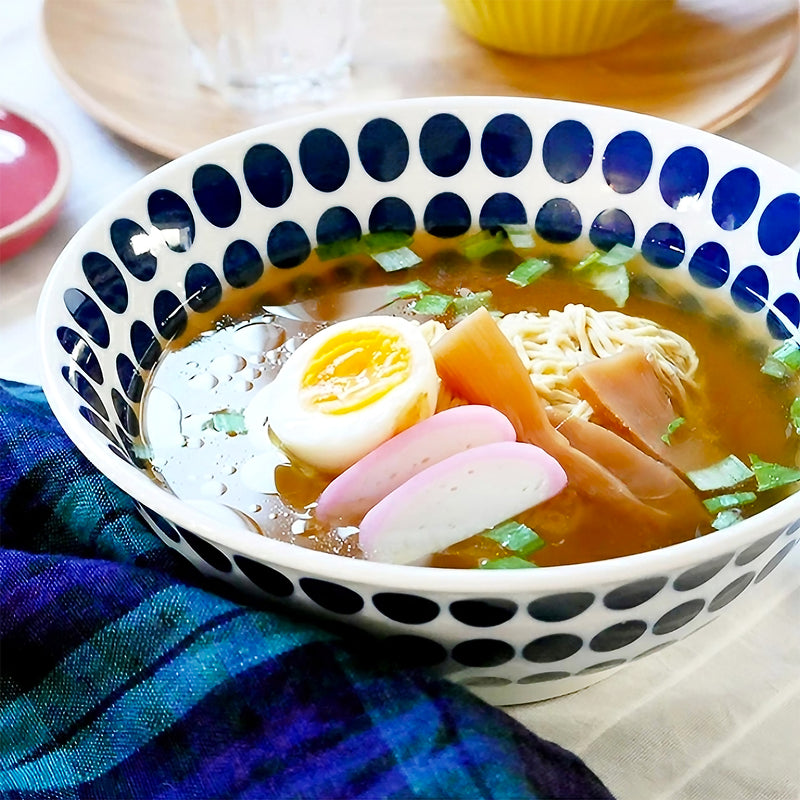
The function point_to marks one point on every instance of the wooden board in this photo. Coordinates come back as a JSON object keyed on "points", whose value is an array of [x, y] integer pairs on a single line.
{"points": [[708, 64]]}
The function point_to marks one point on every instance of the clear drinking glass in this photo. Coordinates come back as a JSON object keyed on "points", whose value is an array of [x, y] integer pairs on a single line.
{"points": [[269, 53]]}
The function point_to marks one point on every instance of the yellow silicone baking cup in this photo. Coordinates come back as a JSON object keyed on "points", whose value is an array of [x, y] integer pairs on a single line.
{"points": [[555, 27]]}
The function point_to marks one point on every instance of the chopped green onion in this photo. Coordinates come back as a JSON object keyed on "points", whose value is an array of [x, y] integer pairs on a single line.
{"points": [[613, 282], [471, 302], [528, 271], [520, 236], [784, 361], [433, 303], [142, 450], [726, 518], [587, 261], [722, 475], [606, 272], [794, 414], [226, 421], [509, 562], [394, 260], [771, 476], [515, 536], [383, 241], [671, 428], [481, 244], [723, 501], [618, 254], [410, 289], [344, 247]]}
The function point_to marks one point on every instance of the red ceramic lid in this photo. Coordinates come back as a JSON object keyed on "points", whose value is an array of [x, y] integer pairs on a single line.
{"points": [[34, 172]]}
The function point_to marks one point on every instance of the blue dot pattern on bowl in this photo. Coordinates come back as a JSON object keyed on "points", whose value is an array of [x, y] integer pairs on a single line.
{"points": [[610, 227], [127, 239], [268, 175], [169, 314], [171, 214], [383, 151], [735, 198], [500, 209], [106, 280], [125, 414], [217, 195], [444, 144], [202, 287], [506, 145], [288, 245], [446, 215], [242, 264], [337, 224], [779, 224], [786, 309], [710, 265], [750, 289], [627, 161], [81, 352], [324, 159], [568, 151], [684, 176], [392, 214]]}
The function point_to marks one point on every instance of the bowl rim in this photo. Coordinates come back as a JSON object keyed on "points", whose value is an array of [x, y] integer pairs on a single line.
{"points": [[59, 187], [400, 577]]}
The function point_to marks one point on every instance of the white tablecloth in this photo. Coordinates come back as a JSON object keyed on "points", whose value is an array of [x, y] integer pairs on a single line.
{"points": [[716, 717]]}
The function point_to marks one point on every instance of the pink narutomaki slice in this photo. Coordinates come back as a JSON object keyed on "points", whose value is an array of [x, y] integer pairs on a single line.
{"points": [[457, 498], [369, 480]]}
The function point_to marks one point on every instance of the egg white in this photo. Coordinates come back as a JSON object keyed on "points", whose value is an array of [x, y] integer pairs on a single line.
{"points": [[332, 442]]}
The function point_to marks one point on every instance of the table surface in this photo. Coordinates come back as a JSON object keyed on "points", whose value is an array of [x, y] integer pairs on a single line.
{"points": [[716, 716]]}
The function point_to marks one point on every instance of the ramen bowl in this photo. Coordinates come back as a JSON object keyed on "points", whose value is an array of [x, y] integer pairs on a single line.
{"points": [[555, 27], [720, 220]]}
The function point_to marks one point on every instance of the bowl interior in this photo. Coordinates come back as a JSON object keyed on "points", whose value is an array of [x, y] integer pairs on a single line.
{"points": [[240, 218]]}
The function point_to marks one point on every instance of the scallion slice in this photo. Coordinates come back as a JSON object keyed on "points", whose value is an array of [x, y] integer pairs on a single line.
{"points": [[520, 236], [794, 414], [394, 260], [784, 361], [515, 536], [613, 282], [618, 254], [481, 244], [726, 518], [383, 241], [142, 450], [466, 304], [226, 421], [344, 247], [410, 289], [771, 476], [588, 260], [509, 562], [722, 475], [671, 428], [723, 501], [528, 271], [433, 303]]}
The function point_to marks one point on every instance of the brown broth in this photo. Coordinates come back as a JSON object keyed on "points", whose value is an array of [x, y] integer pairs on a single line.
{"points": [[746, 409]]}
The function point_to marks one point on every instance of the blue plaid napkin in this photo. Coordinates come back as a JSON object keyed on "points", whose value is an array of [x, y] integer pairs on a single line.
{"points": [[125, 674]]}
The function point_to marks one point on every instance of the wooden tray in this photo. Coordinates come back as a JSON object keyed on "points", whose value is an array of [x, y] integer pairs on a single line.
{"points": [[708, 64]]}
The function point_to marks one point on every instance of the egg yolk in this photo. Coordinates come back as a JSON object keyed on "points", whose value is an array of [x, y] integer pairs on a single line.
{"points": [[354, 369]]}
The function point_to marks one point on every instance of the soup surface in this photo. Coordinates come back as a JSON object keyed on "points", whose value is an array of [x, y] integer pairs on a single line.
{"points": [[205, 415]]}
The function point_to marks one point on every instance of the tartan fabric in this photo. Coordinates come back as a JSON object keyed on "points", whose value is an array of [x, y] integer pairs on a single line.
{"points": [[124, 673]]}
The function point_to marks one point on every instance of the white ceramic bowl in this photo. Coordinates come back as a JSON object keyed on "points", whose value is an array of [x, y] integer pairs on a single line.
{"points": [[511, 636]]}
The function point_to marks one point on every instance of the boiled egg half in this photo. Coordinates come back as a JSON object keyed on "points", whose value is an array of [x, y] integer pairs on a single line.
{"points": [[351, 387]]}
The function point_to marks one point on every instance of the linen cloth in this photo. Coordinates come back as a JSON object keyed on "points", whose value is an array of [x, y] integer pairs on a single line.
{"points": [[124, 673]]}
